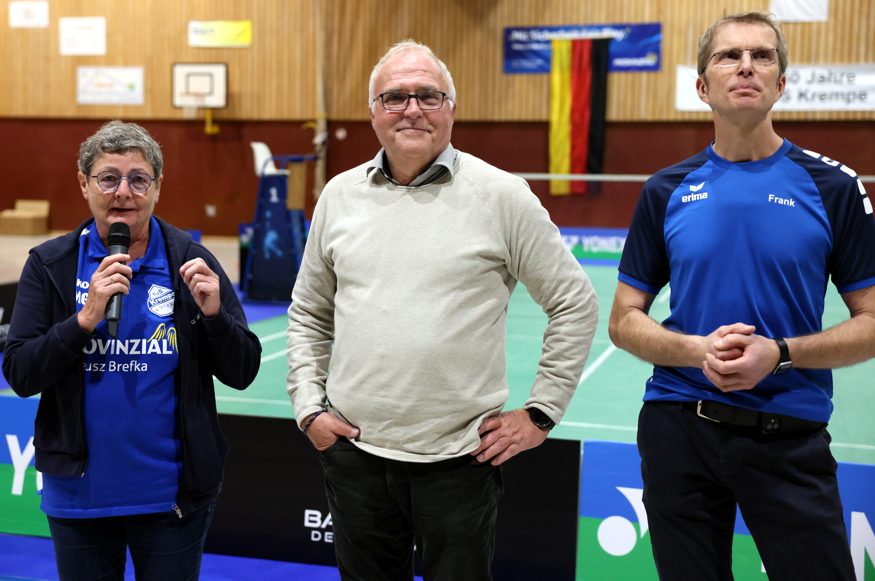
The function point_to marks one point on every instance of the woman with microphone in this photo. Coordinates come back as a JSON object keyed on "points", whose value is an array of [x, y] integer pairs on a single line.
{"points": [[120, 326]]}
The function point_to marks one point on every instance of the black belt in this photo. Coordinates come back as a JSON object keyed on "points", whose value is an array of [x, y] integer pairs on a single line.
{"points": [[766, 422]]}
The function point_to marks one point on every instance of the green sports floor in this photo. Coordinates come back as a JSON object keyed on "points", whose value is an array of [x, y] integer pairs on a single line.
{"points": [[605, 406]]}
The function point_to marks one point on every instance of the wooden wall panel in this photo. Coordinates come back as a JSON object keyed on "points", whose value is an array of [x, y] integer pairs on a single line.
{"points": [[467, 35], [273, 79], [276, 78], [199, 170]]}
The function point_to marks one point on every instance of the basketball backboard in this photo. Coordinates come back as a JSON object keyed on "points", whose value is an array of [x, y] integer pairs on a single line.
{"points": [[200, 85]]}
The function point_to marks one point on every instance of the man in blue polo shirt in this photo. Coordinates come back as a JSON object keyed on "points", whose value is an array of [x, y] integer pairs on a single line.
{"points": [[747, 234]]}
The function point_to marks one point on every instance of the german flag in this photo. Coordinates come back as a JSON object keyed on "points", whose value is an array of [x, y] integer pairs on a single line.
{"points": [[578, 96]]}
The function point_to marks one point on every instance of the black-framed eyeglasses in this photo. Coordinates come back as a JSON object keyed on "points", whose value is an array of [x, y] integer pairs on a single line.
{"points": [[396, 101], [731, 57], [109, 182]]}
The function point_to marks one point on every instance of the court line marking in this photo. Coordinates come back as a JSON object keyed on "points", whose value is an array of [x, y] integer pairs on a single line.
{"points": [[609, 351], [272, 336], [853, 446], [273, 356], [596, 364], [232, 399], [567, 424], [598, 426]]}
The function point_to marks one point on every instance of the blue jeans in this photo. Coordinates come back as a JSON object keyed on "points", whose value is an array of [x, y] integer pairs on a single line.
{"points": [[162, 545]]}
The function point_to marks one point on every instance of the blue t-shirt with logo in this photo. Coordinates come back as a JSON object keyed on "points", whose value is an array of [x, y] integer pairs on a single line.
{"points": [[753, 242], [134, 453]]}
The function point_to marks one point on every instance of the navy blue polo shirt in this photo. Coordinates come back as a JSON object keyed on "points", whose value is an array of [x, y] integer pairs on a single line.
{"points": [[752, 242], [134, 453]]}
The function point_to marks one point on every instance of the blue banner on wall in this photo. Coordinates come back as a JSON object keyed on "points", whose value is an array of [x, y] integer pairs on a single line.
{"points": [[634, 47]]}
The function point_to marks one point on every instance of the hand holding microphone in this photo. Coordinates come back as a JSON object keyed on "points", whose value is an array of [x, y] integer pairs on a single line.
{"points": [[119, 240], [109, 282]]}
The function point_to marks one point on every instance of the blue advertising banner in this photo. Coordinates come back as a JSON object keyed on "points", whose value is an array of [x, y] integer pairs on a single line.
{"points": [[20, 483], [595, 245], [614, 533], [634, 47]]}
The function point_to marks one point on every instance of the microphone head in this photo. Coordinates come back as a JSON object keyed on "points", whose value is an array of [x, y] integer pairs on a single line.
{"points": [[119, 235]]}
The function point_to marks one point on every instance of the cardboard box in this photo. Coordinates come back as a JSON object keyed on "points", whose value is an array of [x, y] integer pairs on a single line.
{"points": [[29, 217], [297, 194]]}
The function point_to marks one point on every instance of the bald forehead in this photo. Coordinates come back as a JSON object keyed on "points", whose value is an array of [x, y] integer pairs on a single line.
{"points": [[413, 65]]}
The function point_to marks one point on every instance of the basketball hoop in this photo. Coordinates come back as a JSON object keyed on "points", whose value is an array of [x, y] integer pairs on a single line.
{"points": [[189, 113], [200, 86]]}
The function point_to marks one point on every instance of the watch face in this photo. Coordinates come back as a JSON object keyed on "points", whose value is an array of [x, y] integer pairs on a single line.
{"points": [[783, 367], [540, 419]]}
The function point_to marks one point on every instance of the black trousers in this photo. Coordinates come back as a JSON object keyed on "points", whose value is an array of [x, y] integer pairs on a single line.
{"points": [[695, 471], [380, 507]]}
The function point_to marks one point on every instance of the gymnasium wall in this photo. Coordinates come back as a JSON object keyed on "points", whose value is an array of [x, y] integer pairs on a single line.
{"points": [[300, 45]]}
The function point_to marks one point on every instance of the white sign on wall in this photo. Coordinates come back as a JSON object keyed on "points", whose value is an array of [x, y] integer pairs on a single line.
{"points": [[83, 36], [109, 85], [809, 88], [800, 10], [29, 14]]}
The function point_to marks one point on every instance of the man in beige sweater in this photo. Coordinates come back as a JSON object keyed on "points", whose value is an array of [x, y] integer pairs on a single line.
{"points": [[397, 334]]}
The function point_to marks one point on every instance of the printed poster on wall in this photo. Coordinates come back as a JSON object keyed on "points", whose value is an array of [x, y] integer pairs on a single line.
{"points": [[109, 85]]}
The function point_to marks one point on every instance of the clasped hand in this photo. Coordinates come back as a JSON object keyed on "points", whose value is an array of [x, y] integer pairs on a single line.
{"points": [[736, 358]]}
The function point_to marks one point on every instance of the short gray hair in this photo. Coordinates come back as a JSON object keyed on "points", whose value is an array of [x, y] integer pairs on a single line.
{"points": [[120, 137], [707, 38], [407, 46]]}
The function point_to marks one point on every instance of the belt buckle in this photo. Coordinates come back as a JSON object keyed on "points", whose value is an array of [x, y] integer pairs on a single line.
{"points": [[702, 415]]}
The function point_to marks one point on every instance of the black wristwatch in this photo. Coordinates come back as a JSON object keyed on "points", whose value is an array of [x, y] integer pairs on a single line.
{"points": [[784, 362], [541, 419]]}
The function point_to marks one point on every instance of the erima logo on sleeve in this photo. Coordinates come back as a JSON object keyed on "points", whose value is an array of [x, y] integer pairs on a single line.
{"points": [[695, 194]]}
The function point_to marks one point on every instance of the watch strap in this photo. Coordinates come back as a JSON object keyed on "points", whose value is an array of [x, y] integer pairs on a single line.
{"points": [[784, 361]]}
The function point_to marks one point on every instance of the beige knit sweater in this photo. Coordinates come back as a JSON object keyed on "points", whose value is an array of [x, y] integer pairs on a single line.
{"points": [[398, 313]]}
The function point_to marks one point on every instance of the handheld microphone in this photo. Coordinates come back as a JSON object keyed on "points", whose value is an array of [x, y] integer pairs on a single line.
{"points": [[119, 239]]}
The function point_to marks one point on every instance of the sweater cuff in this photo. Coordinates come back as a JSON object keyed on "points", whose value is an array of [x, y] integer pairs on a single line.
{"points": [[74, 337], [219, 325]]}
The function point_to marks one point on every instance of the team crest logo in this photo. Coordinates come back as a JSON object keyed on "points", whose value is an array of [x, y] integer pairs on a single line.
{"points": [[160, 300]]}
